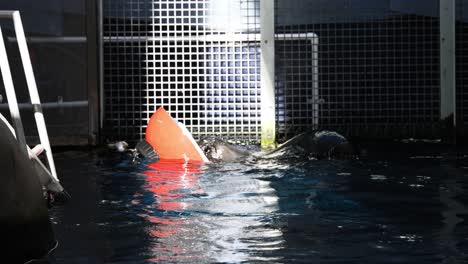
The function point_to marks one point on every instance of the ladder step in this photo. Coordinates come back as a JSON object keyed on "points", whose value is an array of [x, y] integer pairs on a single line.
{"points": [[37, 150]]}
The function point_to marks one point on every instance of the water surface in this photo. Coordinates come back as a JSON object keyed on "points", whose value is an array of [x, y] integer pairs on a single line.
{"points": [[391, 207]]}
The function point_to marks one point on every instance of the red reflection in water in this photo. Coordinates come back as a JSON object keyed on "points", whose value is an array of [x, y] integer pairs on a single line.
{"points": [[169, 181]]}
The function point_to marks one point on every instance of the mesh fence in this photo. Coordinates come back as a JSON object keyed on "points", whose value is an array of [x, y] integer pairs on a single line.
{"points": [[378, 68], [461, 48], [297, 86], [200, 59], [368, 68], [127, 26]]}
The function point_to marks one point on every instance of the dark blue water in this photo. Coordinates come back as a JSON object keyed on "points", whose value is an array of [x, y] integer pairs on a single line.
{"points": [[400, 206]]}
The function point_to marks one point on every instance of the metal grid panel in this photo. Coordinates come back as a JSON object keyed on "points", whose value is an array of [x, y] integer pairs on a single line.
{"points": [[297, 98], [461, 48], [378, 67], [197, 58], [126, 25]]}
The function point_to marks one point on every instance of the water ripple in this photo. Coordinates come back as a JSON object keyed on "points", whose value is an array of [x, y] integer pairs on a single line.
{"points": [[409, 210]]}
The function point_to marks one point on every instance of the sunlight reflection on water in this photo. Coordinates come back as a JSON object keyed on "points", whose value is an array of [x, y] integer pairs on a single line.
{"points": [[399, 210], [215, 217]]}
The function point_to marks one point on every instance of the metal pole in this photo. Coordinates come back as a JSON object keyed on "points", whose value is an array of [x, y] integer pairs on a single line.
{"points": [[447, 60], [100, 41], [33, 93], [11, 96], [315, 83], [49, 105], [92, 47], [267, 72], [60, 40]]}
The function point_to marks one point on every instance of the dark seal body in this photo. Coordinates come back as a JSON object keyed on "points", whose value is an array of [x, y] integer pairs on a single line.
{"points": [[217, 150], [320, 145]]}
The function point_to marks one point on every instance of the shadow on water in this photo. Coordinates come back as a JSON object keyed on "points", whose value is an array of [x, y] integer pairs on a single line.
{"points": [[407, 207]]}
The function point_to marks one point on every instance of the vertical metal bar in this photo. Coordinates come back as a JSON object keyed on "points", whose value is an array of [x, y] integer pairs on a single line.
{"points": [[92, 70], [315, 82], [33, 93], [267, 72], [447, 60], [11, 96], [100, 41]]}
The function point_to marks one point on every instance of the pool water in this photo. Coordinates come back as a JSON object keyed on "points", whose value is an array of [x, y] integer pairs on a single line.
{"points": [[405, 205]]}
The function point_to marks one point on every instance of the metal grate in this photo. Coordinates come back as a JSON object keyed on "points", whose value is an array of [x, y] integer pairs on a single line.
{"points": [[368, 68], [199, 59], [126, 26], [297, 97], [378, 67], [462, 61]]}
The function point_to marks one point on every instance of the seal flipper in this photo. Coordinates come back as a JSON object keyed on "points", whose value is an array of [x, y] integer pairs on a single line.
{"points": [[146, 150], [291, 142]]}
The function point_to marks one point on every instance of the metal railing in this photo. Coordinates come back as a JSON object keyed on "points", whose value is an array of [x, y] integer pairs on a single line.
{"points": [[33, 93]]}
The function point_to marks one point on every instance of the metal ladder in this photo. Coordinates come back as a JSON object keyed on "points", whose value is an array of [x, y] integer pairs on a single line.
{"points": [[48, 176]]}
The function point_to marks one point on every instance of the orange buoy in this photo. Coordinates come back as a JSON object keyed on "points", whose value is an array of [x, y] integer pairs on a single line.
{"points": [[171, 140]]}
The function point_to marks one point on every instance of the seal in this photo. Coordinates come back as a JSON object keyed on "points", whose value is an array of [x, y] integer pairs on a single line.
{"points": [[217, 150], [319, 144]]}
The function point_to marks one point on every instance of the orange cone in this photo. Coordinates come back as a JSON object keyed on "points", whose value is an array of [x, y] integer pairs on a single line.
{"points": [[171, 140]]}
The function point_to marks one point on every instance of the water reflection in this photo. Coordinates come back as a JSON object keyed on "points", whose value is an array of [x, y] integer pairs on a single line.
{"points": [[453, 213], [199, 213], [270, 210]]}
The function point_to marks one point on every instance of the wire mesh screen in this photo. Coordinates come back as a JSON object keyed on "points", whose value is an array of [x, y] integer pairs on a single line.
{"points": [[198, 58], [297, 100], [377, 67], [461, 49], [127, 26]]}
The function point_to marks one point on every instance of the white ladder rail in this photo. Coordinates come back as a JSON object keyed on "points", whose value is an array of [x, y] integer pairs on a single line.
{"points": [[32, 88], [11, 96]]}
